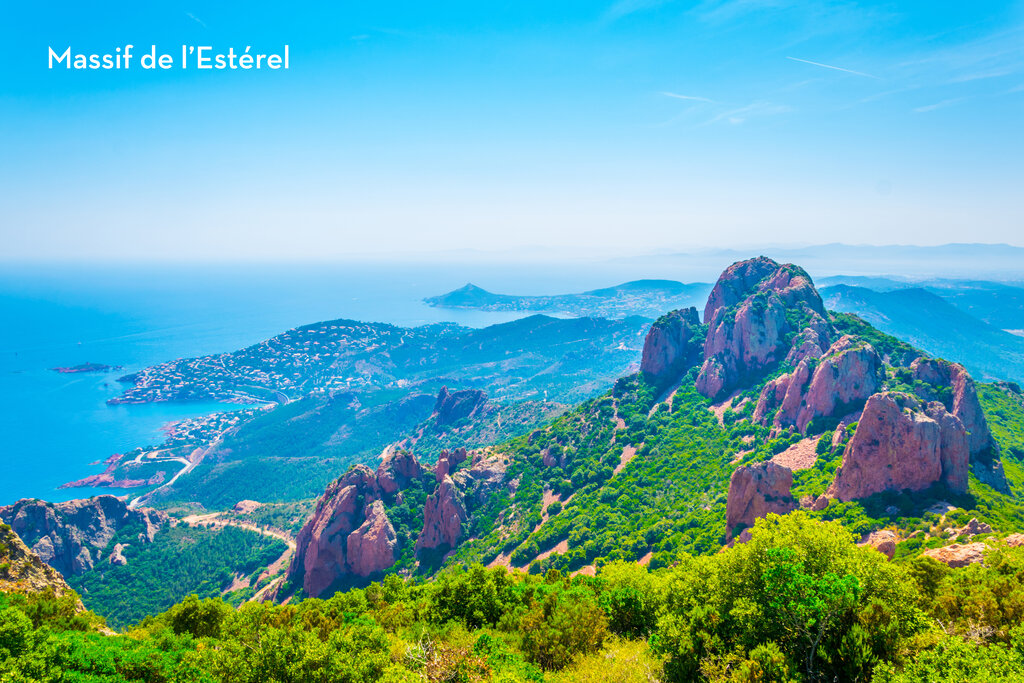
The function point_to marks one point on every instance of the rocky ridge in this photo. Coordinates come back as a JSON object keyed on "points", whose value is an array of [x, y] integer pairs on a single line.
{"points": [[762, 315], [72, 537], [23, 571], [351, 536]]}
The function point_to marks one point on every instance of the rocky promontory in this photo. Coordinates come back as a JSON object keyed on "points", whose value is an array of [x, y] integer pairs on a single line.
{"points": [[72, 537]]}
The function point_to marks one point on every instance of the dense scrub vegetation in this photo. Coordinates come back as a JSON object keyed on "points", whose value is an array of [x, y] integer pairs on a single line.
{"points": [[180, 560], [799, 602]]}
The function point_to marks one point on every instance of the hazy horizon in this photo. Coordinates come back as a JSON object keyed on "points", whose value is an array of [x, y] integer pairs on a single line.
{"points": [[626, 126]]}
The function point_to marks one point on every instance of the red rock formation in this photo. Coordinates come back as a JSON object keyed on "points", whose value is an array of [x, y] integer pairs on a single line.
{"points": [[322, 545], [848, 373], [751, 314], [447, 462], [371, 547], [756, 490], [899, 444], [443, 515], [963, 403], [951, 384], [71, 536], [673, 345], [452, 406], [957, 556], [397, 468]]}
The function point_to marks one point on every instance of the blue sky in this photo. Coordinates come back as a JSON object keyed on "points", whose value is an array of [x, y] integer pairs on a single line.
{"points": [[603, 127]]}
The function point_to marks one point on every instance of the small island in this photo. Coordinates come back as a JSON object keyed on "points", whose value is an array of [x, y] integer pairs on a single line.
{"points": [[87, 367]]}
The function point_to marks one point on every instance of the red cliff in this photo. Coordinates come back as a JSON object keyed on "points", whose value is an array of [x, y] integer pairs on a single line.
{"points": [[673, 345], [900, 444]]}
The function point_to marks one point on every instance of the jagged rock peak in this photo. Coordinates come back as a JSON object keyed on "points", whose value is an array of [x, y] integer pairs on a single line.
{"points": [[673, 345], [71, 536], [756, 312], [452, 406], [756, 490], [349, 534], [951, 385], [901, 443], [840, 382], [447, 462], [960, 397], [397, 468]]}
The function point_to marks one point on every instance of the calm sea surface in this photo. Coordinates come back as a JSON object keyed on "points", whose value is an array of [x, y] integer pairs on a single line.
{"points": [[54, 426]]}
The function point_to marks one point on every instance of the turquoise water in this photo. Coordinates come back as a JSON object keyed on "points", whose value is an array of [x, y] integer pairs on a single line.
{"points": [[54, 426]]}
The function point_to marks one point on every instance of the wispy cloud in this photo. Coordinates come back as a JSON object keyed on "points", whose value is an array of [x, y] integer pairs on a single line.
{"points": [[981, 75], [691, 98], [624, 8], [834, 68], [196, 19], [752, 110], [938, 105]]}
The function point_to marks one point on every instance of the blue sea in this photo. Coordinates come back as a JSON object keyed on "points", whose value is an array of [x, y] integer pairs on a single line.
{"points": [[55, 428]]}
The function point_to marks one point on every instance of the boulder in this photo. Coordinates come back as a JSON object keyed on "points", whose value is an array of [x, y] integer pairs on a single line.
{"points": [[898, 444], [754, 313], [246, 507], [958, 555], [673, 345], [884, 541], [397, 468], [756, 490]]}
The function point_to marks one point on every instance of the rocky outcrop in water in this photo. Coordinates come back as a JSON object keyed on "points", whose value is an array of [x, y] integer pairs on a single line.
{"points": [[754, 313], [673, 345], [901, 443], [72, 537], [756, 490], [842, 380]]}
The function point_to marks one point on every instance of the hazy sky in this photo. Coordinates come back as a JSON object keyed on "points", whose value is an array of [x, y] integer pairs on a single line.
{"points": [[621, 127]]}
